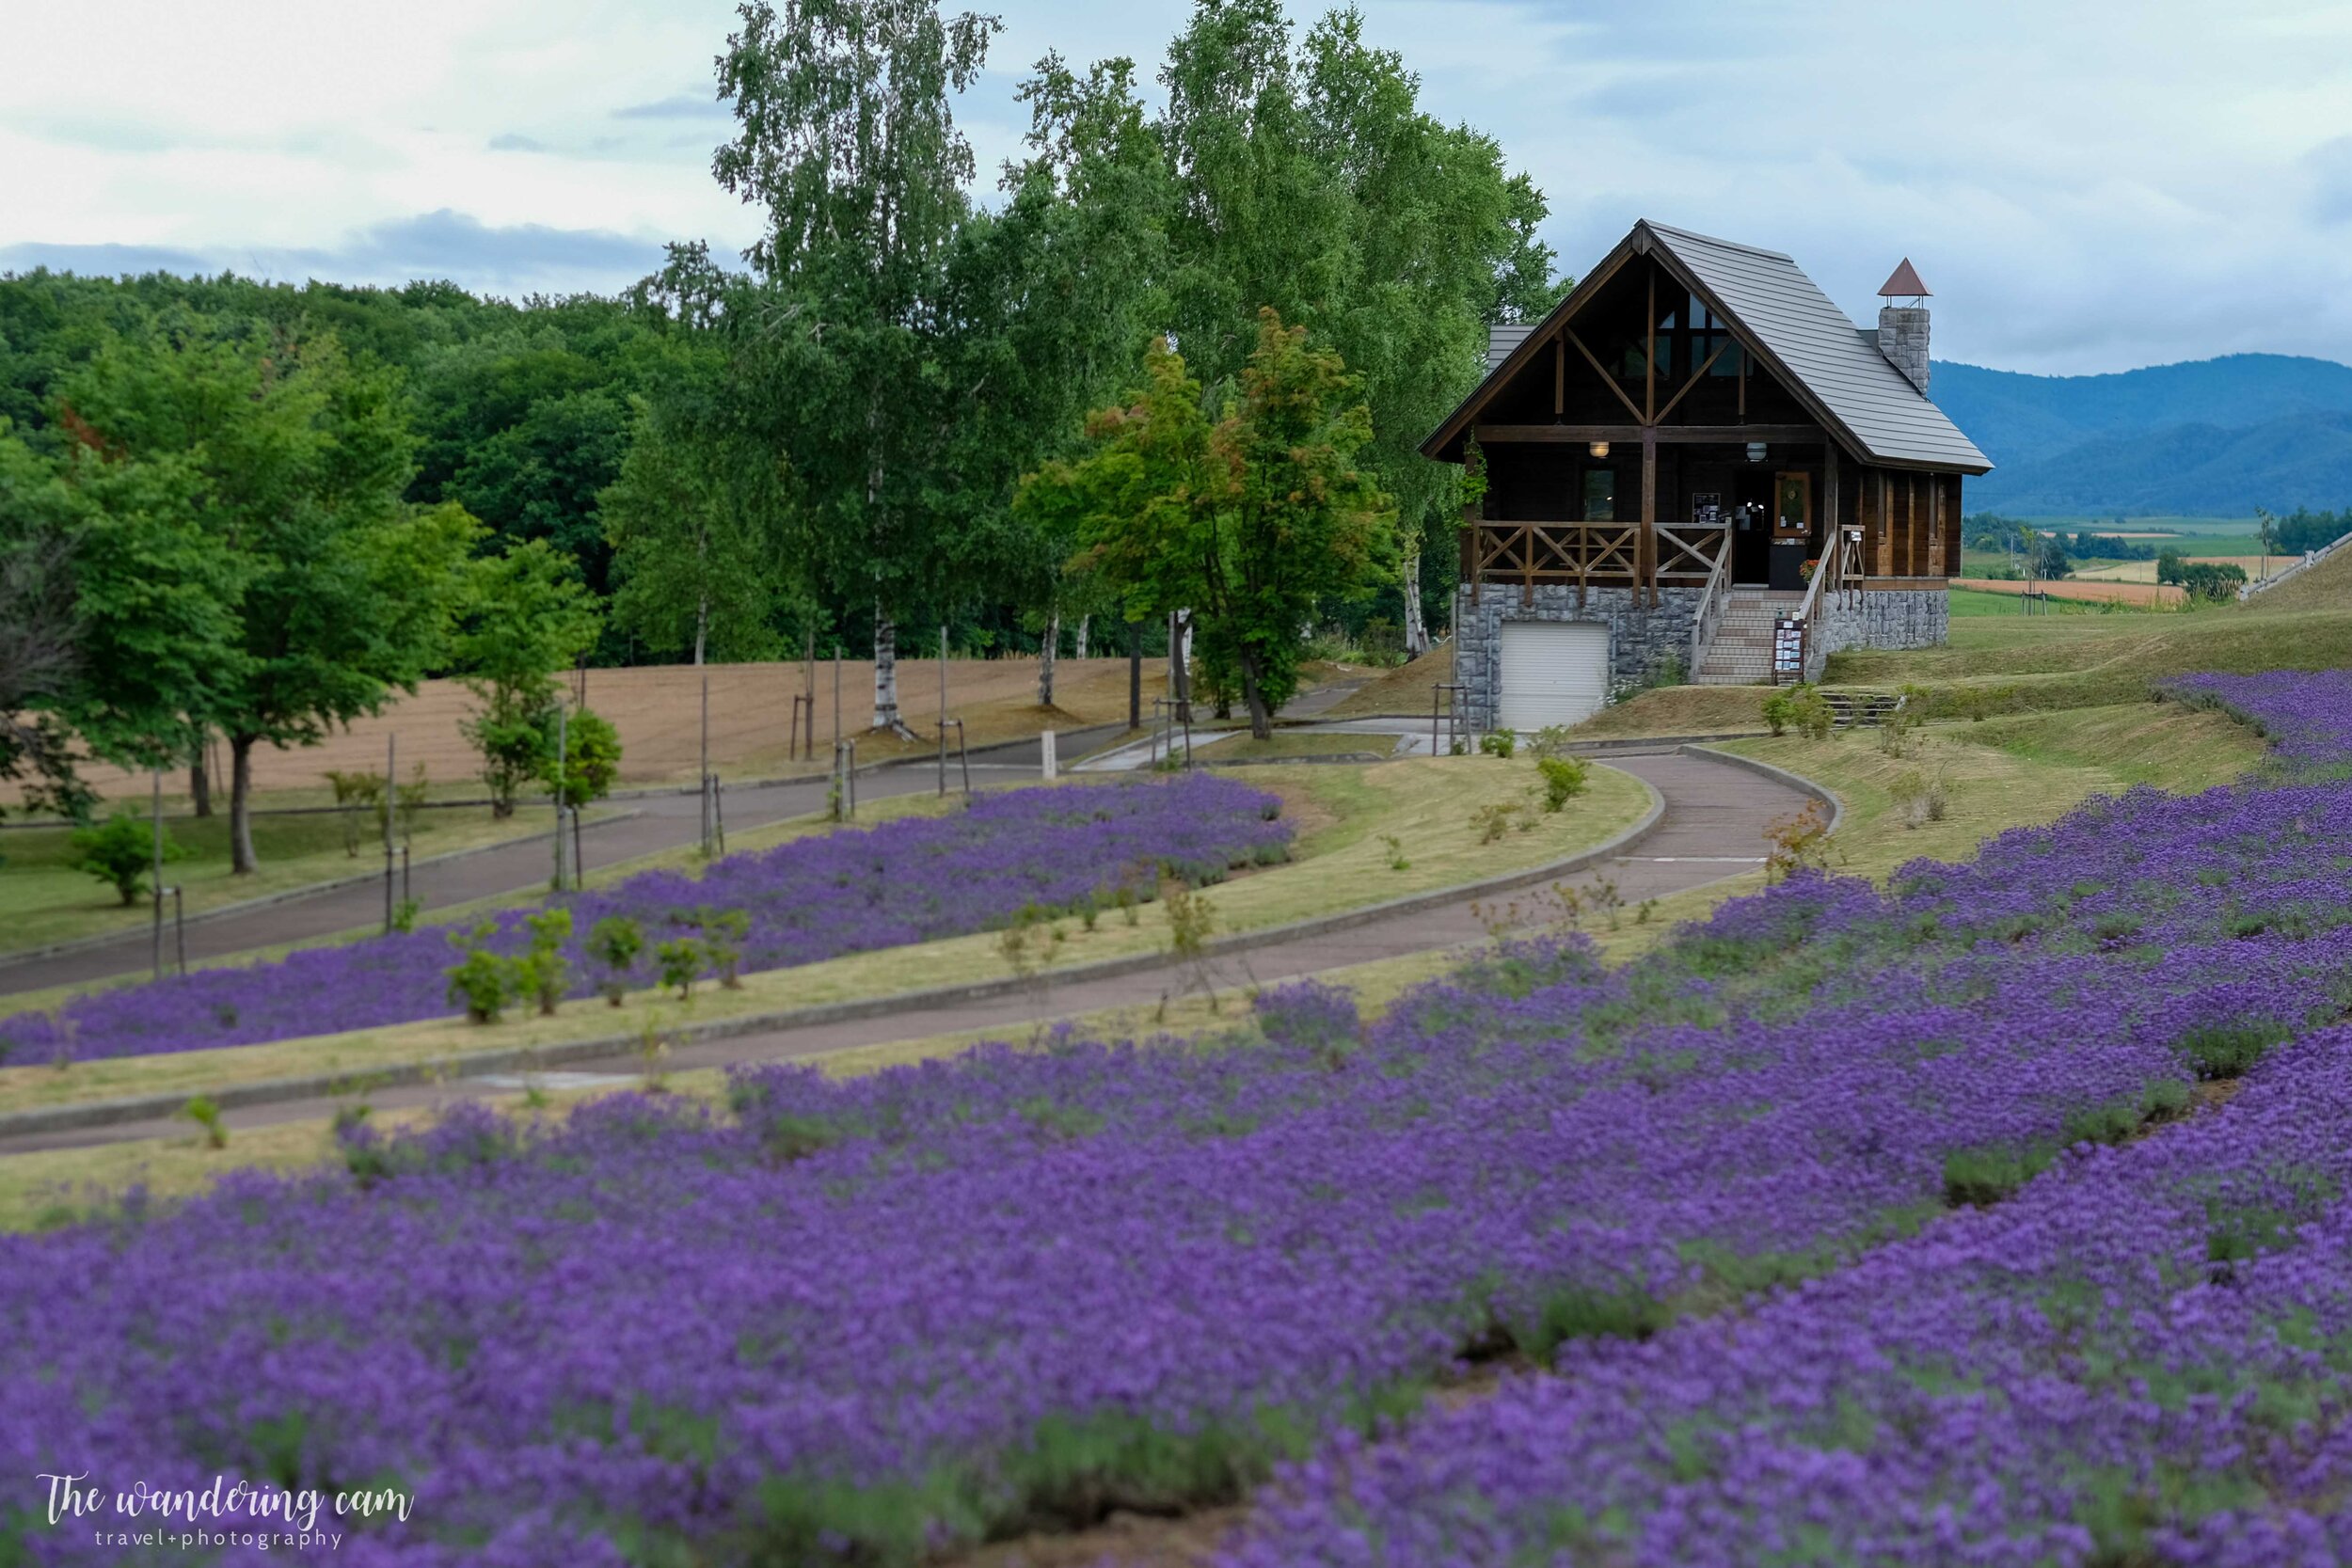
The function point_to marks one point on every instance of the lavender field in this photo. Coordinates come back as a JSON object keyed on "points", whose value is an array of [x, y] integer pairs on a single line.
{"points": [[909, 881], [2011, 1311]]}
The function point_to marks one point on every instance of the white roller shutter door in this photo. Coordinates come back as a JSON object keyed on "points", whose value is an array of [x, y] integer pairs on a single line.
{"points": [[1553, 671]]}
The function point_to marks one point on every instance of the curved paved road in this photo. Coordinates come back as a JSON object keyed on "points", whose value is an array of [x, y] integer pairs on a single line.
{"points": [[1714, 825]]}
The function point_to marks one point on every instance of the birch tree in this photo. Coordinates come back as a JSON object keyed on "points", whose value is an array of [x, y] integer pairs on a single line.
{"points": [[845, 133]]}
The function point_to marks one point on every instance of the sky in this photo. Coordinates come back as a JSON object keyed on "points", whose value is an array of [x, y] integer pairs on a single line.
{"points": [[2086, 186]]}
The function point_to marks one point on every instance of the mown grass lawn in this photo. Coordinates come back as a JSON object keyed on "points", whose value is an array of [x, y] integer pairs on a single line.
{"points": [[1340, 862]]}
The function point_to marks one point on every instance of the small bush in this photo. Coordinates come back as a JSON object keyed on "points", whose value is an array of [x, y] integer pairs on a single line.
{"points": [[1801, 707], [614, 942], [484, 984], [356, 793], [542, 971], [1396, 847], [120, 852], [1565, 778], [1498, 743], [404, 915], [1492, 822], [1921, 796], [681, 962], [724, 931], [1552, 740], [205, 1113]]}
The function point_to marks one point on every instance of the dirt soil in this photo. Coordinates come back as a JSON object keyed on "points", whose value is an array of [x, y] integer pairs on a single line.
{"points": [[658, 710], [2117, 592]]}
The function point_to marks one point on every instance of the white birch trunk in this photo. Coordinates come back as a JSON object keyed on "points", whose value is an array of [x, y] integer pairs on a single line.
{"points": [[1045, 660], [1083, 621], [1416, 630], [885, 671]]}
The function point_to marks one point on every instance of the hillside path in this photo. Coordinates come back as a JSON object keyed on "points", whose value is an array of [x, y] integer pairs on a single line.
{"points": [[1714, 827]]}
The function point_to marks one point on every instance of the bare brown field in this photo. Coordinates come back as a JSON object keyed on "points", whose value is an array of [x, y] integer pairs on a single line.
{"points": [[657, 711], [2093, 592]]}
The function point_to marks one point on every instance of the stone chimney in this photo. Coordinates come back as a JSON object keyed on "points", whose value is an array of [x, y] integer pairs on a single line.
{"points": [[1903, 328]]}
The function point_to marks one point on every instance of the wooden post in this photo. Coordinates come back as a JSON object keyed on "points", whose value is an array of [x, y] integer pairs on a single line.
{"points": [[1830, 521], [156, 872], [1645, 564], [1559, 379], [1649, 355], [390, 798]]}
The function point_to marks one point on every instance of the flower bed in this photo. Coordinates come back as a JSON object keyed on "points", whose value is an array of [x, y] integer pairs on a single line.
{"points": [[2307, 715], [2141, 1360], [864, 1320], [909, 881]]}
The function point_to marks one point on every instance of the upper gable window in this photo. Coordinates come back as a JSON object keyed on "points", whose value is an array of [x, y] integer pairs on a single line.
{"points": [[1709, 332]]}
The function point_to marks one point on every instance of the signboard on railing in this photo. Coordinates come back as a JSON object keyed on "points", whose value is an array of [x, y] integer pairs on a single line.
{"points": [[1788, 649]]}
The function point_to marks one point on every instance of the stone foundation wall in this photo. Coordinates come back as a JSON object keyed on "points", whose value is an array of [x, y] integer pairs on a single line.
{"points": [[1641, 639], [1888, 618]]}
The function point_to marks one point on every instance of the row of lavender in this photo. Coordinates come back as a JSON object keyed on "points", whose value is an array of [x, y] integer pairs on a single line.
{"points": [[2144, 1357], [861, 1321], [909, 881]]}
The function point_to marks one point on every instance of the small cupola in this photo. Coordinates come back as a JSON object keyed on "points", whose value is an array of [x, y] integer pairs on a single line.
{"points": [[1903, 324]]}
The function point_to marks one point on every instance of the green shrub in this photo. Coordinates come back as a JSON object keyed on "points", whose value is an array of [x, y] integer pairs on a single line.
{"points": [[615, 942], [404, 915], [205, 1113], [1801, 707], [1498, 743], [1564, 778], [682, 962], [484, 982], [724, 931], [122, 851], [1552, 740], [542, 971]]}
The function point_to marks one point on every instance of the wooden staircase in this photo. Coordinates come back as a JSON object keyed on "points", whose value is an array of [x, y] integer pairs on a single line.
{"points": [[1741, 653]]}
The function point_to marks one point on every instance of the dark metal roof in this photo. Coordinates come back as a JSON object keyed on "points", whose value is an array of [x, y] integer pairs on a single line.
{"points": [[1500, 341], [1852, 390], [1903, 281]]}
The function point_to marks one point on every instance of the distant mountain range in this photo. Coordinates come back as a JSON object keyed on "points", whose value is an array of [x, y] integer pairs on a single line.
{"points": [[2208, 438]]}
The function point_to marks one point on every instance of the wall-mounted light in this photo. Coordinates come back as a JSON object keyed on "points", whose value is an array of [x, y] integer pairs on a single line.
{"points": [[1598, 449], [1755, 452]]}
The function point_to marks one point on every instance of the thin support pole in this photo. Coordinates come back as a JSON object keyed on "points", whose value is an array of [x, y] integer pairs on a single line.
{"points": [[563, 783], [836, 699], [1134, 674], [180, 930], [943, 713], [719, 813], [158, 872], [579, 863], [705, 747], [963, 757], [392, 800]]}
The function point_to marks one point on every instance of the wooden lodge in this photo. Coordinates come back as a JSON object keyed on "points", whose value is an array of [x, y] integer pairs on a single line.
{"points": [[1698, 462]]}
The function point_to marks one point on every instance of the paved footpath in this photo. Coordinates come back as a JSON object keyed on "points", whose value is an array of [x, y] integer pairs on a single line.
{"points": [[1714, 827], [662, 821]]}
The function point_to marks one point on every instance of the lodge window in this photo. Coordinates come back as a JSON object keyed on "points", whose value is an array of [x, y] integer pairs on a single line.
{"points": [[1707, 333], [1600, 495]]}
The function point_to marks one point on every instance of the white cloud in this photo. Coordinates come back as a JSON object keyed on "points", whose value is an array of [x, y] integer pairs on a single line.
{"points": [[2088, 184]]}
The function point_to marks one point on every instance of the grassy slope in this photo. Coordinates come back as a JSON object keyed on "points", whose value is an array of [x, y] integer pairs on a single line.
{"points": [[42, 902], [1284, 743], [1404, 689], [1343, 811]]}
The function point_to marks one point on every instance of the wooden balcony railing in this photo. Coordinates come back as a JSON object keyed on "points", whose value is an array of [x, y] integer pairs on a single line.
{"points": [[1589, 555]]}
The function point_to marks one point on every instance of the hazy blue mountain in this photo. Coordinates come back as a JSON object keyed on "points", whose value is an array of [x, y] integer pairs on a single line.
{"points": [[2209, 437]]}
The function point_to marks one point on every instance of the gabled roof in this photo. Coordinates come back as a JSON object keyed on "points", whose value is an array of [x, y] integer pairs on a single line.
{"points": [[1827, 362]]}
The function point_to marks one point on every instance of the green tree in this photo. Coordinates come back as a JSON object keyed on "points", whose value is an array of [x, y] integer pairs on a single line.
{"points": [[1252, 521], [344, 591], [591, 759], [845, 135], [154, 630], [529, 617], [695, 523]]}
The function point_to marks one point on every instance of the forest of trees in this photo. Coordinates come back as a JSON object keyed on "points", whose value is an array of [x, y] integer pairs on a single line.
{"points": [[827, 444]]}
